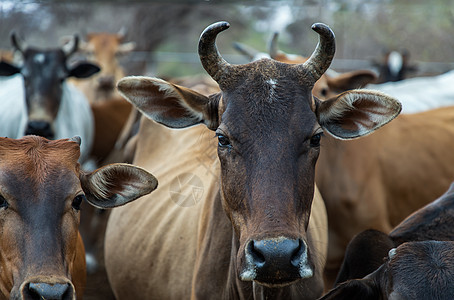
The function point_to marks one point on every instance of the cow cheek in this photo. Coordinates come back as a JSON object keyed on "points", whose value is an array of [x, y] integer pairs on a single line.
{"points": [[10, 253], [232, 195], [70, 224]]}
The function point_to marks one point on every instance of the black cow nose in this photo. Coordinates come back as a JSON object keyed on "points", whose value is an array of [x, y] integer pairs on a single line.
{"points": [[277, 260], [41, 128], [106, 82], [57, 291]]}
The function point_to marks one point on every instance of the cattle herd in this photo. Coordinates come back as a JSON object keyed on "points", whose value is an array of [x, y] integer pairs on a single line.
{"points": [[278, 179]]}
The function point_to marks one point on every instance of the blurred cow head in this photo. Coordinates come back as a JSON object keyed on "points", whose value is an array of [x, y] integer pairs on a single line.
{"points": [[44, 72]]}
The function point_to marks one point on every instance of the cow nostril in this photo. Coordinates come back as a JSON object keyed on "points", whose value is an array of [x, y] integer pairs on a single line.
{"points": [[257, 257], [297, 254], [57, 291]]}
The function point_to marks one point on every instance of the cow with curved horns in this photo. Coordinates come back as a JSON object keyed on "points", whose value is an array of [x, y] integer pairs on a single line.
{"points": [[41, 190], [257, 227], [39, 101]]}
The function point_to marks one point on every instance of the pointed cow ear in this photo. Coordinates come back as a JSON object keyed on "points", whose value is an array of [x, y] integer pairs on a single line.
{"points": [[169, 104], [356, 113], [117, 184], [7, 69], [83, 70]]}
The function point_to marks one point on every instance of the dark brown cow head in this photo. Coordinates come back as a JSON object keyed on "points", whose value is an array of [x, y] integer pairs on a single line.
{"points": [[269, 128], [44, 71], [41, 190], [414, 270]]}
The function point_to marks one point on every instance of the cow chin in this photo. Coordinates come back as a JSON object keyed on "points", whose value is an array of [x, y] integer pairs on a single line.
{"points": [[275, 262]]}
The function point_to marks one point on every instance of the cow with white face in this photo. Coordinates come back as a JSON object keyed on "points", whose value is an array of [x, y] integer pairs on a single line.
{"points": [[39, 101]]}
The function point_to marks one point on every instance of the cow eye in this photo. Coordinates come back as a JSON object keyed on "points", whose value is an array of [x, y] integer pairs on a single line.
{"points": [[3, 202], [315, 139], [78, 201], [223, 141]]}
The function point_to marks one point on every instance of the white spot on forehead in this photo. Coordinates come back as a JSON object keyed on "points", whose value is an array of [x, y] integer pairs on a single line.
{"points": [[272, 84], [395, 62], [39, 58]]}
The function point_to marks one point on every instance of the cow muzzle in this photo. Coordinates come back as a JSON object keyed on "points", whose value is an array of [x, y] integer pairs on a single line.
{"points": [[106, 82], [41, 128], [276, 262], [61, 289]]}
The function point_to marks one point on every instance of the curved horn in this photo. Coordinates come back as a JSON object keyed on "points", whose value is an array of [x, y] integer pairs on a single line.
{"points": [[122, 32], [272, 48], [209, 56], [323, 54], [18, 43], [76, 139], [72, 46]]}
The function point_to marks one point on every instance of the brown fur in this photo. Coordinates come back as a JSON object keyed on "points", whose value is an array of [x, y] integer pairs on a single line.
{"points": [[41, 187], [36, 163], [377, 181], [110, 117]]}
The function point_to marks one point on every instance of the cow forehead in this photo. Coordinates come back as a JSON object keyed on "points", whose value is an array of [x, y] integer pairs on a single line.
{"points": [[37, 158], [46, 62], [105, 41], [434, 261], [267, 93]]}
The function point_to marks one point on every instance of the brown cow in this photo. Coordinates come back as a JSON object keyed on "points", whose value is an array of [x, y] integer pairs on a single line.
{"points": [[245, 223], [414, 270], [396, 171], [41, 190], [103, 48]]}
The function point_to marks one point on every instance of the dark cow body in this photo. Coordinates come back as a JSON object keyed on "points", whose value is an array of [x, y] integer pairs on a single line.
{"points": [[414, 270], [366, 251]]}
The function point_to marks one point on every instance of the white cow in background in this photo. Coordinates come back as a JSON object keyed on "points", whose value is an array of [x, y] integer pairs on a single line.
{"points": [[37, 100], [420, 93]]}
